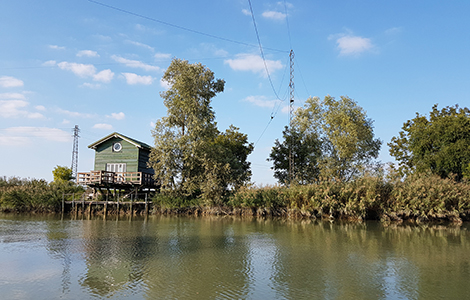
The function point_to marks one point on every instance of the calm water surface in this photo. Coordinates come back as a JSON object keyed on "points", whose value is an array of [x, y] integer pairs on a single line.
{"points": [[229, 258]]}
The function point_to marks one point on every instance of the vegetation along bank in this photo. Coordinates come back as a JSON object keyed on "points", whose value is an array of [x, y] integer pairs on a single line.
{"points": [[325, 163]]}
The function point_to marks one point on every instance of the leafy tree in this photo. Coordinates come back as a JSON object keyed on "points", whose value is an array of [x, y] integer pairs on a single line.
{"points": [[191, 157], [306, 153], [343, 133], [440, 144], [62, 174]]}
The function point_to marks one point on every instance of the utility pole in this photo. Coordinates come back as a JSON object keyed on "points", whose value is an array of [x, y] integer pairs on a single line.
{"points": [[291, 111], [75, 151]]}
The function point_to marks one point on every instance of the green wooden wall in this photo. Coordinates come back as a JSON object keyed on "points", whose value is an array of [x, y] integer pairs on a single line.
{"points": [[135, 158]]}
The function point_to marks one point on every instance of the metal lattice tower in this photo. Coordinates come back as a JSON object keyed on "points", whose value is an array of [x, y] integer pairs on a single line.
{"points": [[75, 151], [291, 111]]}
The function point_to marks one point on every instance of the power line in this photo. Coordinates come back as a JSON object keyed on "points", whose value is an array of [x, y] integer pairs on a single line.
{"points": [[267, 72], [287, 22], [261, 51], [179, 27]]}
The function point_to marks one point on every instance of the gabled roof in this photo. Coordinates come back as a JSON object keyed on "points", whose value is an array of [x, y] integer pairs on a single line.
{"points": [[136, 143]]}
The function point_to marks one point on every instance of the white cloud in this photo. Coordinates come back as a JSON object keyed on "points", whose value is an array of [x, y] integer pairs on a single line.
{"points": [[40, 107], [12, 96], [103, 126], [74, 114], [8, 81], [142, 45], [135, 63], [55, 47], [87, 70], [117, 116], [17, 109], [214, 50], [274, 15], [65, 121], [253, 63], [349, 44], [393, 30], [261, 101], [104, 76], [49, 63], [162, 56], [91, 85], [132, 79], [103, 38], [24, 135], [87, 53], [164, 84], [81, 70], [285, 4], [246, 12], [145, 29]]}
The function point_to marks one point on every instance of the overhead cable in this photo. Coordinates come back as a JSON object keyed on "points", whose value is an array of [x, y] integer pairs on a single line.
{"points": [[179, 27]]}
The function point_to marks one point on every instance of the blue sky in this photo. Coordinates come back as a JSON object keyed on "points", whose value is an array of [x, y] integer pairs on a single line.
{"points": [[67, 63]]}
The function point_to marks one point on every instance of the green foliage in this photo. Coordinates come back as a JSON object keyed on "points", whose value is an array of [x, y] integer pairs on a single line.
{"points": [[371, 196], [428, 196], [466, 172], [439, 144], [33, 195], [267, 197], [164, 200], [191, 157], [339, 136], [62, 174], [306, 152]]}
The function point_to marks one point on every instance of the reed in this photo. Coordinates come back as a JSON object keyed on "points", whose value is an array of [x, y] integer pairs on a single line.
{"points": [[20, 194]]}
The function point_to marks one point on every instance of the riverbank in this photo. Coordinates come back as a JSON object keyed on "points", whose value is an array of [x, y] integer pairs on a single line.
{"points": [[419, 198]]}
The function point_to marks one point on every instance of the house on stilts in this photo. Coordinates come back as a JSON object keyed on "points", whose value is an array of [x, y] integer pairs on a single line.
{"points": [[121, 166]]}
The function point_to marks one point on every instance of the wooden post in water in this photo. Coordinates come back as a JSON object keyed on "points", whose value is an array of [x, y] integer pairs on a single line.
{"points": [[146, 205], [131, 203], [118, 203]]}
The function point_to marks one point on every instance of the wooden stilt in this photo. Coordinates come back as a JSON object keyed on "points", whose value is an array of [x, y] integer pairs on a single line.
{"points": [[146, 205]]}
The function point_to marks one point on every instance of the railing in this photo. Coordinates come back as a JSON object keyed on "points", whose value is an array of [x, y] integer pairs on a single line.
{"points": [[107, 177]]}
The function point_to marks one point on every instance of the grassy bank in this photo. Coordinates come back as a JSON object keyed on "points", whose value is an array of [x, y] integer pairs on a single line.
{"points": [[418, 198], [33, 195]]}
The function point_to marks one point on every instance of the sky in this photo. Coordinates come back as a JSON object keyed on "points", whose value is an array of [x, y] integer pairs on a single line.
{"points": [[98, 64]]}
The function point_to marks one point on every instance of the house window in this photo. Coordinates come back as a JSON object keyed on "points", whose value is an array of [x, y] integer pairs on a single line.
{"points": [[117, 147], [114, 167]]}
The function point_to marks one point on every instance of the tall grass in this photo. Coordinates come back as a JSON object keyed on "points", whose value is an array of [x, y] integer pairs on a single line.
{"points": [[418, 197], [17, 194], [429, 197]]}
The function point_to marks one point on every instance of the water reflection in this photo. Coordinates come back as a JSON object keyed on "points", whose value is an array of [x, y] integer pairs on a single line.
{"points": [[220, 258]]}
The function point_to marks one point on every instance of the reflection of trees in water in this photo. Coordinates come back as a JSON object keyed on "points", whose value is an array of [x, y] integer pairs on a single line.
{"points": [[116, 254], [367, 261], [59, 246], [202, 258], [210, 257]]}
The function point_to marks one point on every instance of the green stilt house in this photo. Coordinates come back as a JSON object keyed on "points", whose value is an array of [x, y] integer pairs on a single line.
{"points": [[121, 163]]}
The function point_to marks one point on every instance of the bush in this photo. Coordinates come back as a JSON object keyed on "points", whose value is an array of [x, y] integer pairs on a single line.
{"points": [[33, 194]]}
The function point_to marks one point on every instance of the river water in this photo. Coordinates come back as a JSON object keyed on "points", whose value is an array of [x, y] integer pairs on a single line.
{"points": [[229, 258]]}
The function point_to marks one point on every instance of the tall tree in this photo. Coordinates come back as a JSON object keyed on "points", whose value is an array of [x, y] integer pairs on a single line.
{"points": [[305, 148], [439, 144], [190, 157], [343, 132]]}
